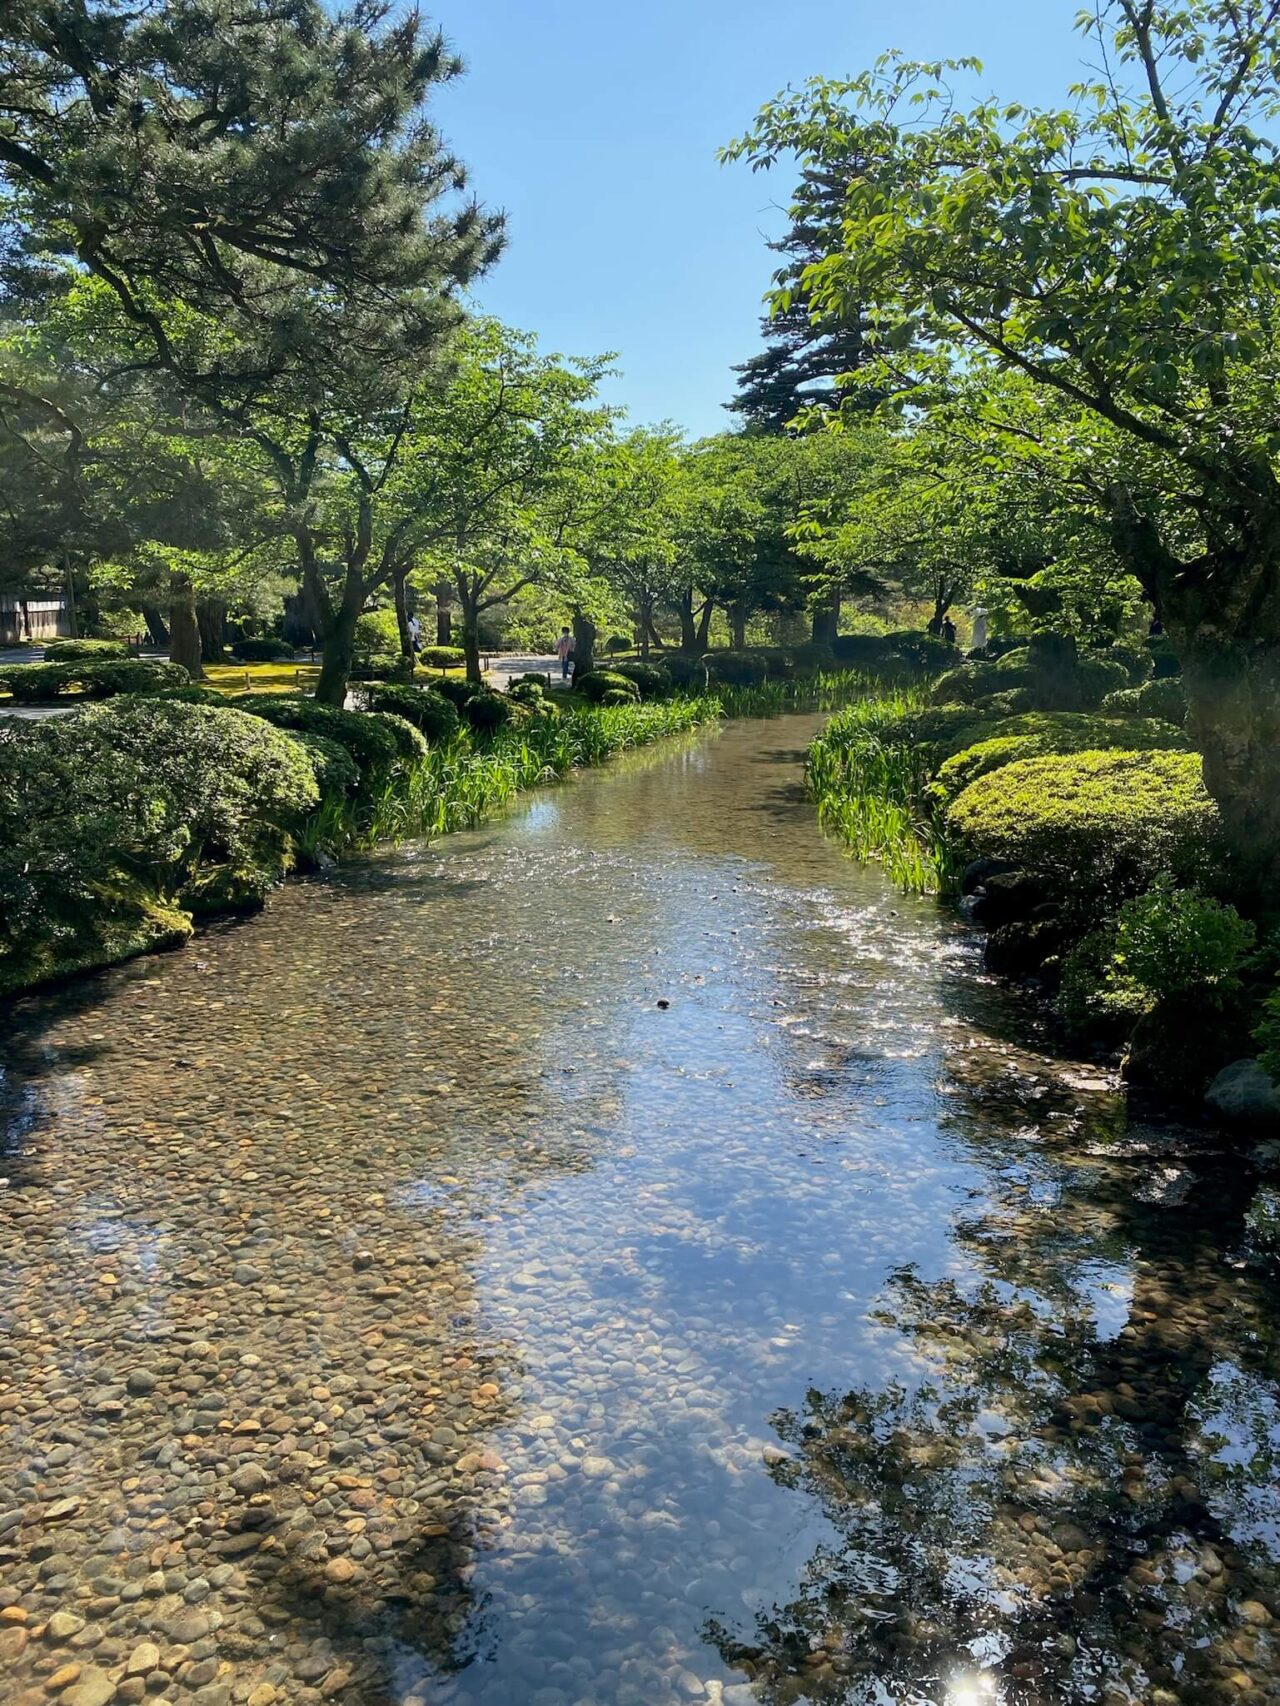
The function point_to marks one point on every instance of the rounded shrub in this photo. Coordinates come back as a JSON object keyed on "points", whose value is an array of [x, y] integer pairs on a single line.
{"points": [[374, 744], [531, 690], [1101, 824], [377, 634], [687, 672], [261, 649], [615, 696], [1035, 735], [617, 643], [332, 765], [75, 651], [442, 657], [651, 679], [812, 657], [967, 684], [1167, 947], [113, 821], [1162, 698], [487, 711], [860, 651], [96, 678], [1136, 661], [736, 669], [429, 712], [456, 690], [194, 694], [925, 653], [597, 682]]}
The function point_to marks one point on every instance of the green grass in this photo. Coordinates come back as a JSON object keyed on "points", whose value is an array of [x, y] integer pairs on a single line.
{"points": [[870, 782], [462, 783]]}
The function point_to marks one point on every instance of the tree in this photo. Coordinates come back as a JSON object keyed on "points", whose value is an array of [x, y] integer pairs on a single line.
{"points": [[1120, 254], [497, 463], [807, 352], [265, 163]]}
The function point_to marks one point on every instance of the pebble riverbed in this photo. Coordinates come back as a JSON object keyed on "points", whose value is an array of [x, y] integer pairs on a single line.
{"points": [[624, 1254]]}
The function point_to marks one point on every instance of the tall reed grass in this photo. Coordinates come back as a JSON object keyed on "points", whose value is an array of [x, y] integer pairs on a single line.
{"points": [[459, 784], [870, 782]]}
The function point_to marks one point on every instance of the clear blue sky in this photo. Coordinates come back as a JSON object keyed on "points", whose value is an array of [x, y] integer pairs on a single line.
{"points": [[595, 125]]}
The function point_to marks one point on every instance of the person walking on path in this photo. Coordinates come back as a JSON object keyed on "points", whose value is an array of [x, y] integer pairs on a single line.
{"points": [[564, 651]]}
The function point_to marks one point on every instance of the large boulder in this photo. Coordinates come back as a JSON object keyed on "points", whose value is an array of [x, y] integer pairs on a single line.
{"points": [[1243, 1094]]}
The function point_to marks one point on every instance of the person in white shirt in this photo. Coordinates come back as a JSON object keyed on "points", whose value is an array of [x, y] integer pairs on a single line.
{"points": [[564, 651]]}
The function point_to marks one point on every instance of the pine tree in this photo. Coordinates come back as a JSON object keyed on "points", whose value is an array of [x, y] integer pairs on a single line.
{"points": [[804, 355]]}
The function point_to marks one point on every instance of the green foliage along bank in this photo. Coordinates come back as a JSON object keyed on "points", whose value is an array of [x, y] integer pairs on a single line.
{"points": [[121, 824], [1086, 845]]}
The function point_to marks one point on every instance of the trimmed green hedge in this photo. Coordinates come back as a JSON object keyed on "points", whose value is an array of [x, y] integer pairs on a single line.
{"points": [[1163, 698], [377, 743], [102, 678], [442, 657], [262, 650], [597, 682], [429, 712], [1102, 824], [118, 823], [652, 681], [1035, 736], [74, 651]]}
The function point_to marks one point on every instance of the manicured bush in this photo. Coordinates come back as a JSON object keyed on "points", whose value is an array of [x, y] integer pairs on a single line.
{"points": [[616, 696], [926, 652], [116, 823], [860, 651], [1043, 679], [1040, 733], [429, 712], [966, 685], [442, 657], [1103, 824], [597, 682], [75, 651], [687, 672], [1136, 661], [335, 770], [530, 690], [377, 634], [261, 649], [811, 657], [379, 666], [487, 711], [617, 643], [376, 743], [456, 690], [1163, 698], [736, 669], [652, 680], [193, 694], [1167, 947], [94, 679]]}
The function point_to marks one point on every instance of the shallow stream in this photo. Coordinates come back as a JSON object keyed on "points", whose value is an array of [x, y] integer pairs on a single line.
{"points": [[624, 1254]]}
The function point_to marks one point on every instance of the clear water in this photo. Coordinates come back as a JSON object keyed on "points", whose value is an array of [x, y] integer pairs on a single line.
{"points": [[624, 1254]]}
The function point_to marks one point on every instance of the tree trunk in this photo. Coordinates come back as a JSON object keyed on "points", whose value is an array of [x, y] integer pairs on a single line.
{"points": [[211, 614], [584, 644], [157, 628], [400, 588], [444, 614], [655, 636], [73, 617], [644, 619], [1234, 695], [703, 637], [338, 644], [737, 614], [688, 632], [184, 628], [826, 620]]}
